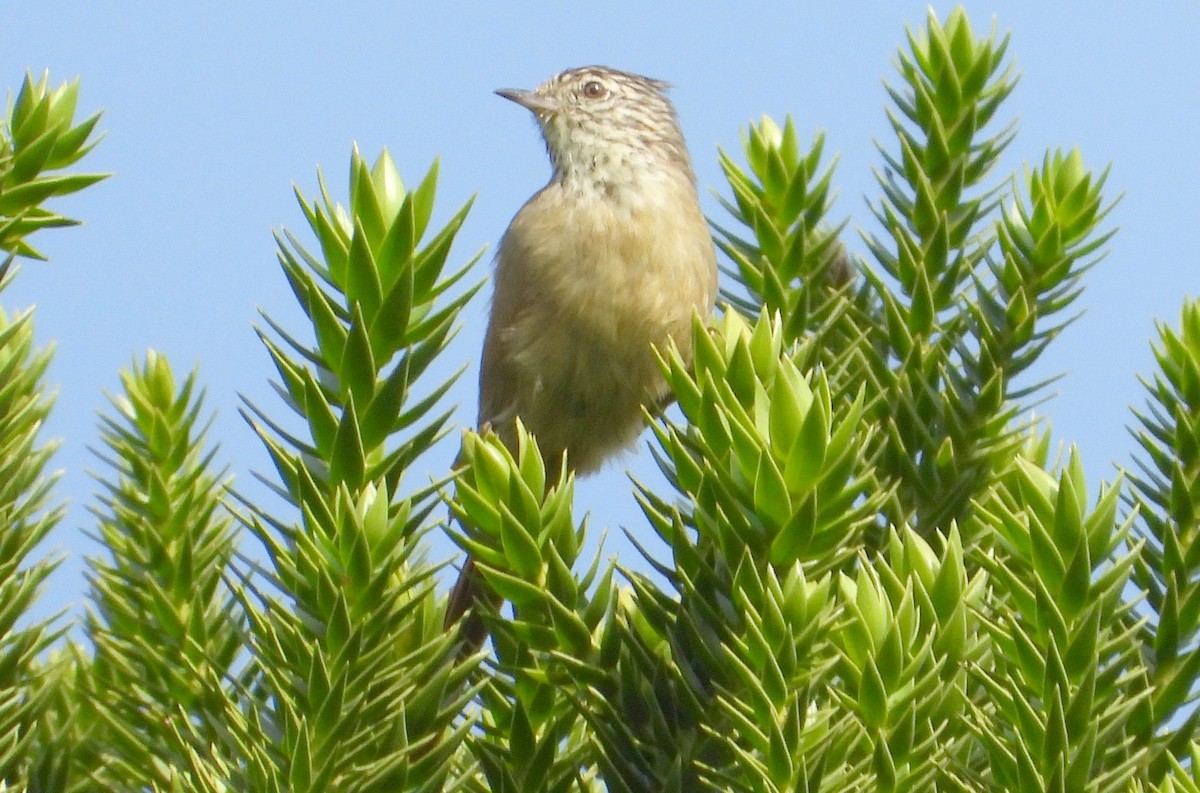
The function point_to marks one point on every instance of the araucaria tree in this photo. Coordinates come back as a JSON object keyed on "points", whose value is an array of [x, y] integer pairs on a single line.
{"points": [[869, 574]]}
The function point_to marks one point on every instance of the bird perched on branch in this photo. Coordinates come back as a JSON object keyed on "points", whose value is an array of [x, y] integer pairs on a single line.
{"points": [[607, 262]]}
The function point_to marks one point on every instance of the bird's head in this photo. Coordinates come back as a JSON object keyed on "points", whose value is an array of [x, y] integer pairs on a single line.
{"points": [[605, 125]]}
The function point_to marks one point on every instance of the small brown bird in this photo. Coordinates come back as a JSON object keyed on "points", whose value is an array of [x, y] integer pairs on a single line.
{"points": [[608, 261]]}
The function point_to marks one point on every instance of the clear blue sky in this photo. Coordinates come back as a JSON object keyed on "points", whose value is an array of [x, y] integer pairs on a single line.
{"points": [[213, 111]]}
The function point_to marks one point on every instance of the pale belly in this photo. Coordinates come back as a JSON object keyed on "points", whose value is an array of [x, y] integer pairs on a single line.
{"points": [[583, 379], [582, 336]]}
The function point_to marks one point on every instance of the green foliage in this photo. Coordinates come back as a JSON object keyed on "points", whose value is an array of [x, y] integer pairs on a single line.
{"points": [[975, 291], [352, 681], [792, 265], [26, 515], [165, 627], [867, 572], [36, 136], [1166, 495], [519, 529], [39, 135], [1065, 673]]}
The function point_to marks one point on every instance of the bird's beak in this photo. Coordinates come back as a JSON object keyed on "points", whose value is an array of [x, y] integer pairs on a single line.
{"points": [[530, 100]]}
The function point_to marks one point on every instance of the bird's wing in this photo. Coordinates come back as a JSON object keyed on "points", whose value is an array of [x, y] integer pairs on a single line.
{"points": [[497, 380]]}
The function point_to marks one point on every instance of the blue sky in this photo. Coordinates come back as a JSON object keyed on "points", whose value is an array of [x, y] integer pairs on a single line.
{"points": [[213, 111]]}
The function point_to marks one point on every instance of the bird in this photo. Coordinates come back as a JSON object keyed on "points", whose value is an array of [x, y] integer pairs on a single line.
{"points": [[607, 263]]}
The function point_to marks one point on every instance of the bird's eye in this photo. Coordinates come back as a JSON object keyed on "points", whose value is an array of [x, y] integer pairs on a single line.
{"points": [[592, 89]]}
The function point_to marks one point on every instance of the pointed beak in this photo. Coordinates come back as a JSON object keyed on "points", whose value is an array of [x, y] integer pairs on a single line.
{"points": [[530, 100]]}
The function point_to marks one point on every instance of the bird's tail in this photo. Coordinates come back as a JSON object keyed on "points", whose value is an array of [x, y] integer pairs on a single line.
{"points": [[469, 596]]}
